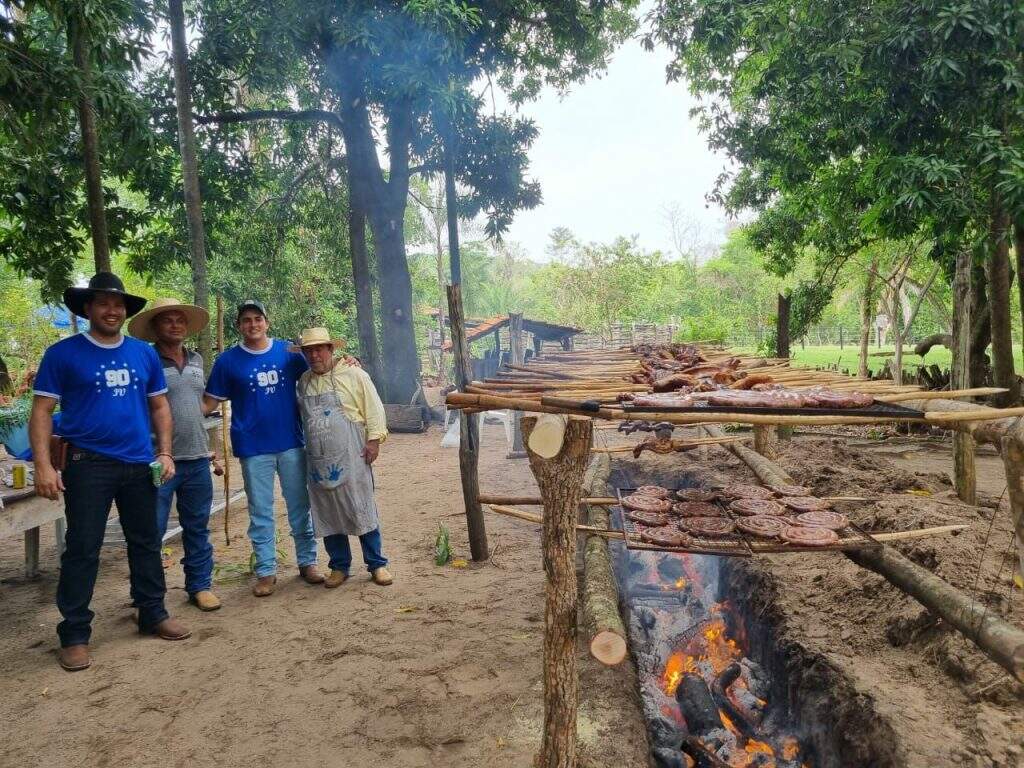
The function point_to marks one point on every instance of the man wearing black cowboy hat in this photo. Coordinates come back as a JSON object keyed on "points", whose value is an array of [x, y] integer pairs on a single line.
{"points": [[112, 394]]}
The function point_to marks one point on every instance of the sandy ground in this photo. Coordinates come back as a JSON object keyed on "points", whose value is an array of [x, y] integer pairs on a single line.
{"points": [[948, 704], [441, 668]]}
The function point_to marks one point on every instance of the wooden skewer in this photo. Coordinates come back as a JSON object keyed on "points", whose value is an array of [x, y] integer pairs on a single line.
{"points": [[536, 501], [942, 395], [539, 519], [920, 533]]}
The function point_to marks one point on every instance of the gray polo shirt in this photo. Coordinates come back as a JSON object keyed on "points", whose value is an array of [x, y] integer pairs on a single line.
{"points": [[185, 394]]}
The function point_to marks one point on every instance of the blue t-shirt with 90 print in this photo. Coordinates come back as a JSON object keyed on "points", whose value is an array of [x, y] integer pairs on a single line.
{"points": [[104, 393], [261, 388]]}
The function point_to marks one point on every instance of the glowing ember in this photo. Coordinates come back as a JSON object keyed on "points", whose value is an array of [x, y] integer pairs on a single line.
{"points": [[680, 583]]}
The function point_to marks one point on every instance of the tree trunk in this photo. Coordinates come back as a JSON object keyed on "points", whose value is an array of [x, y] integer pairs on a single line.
{"points": [[1018, 248], [964, 473], [561, 480], [365, 323], [981, 326], [782, 327], [400, 371], [383, 199], [442, 373], [90, 147], [469, 435], [1003, 373], [190, 172], [452, 207], [5, 378], [867, 314], [764, 440]]}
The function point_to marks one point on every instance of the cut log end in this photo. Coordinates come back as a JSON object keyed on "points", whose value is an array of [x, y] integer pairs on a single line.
{"points": [[608, 648]]}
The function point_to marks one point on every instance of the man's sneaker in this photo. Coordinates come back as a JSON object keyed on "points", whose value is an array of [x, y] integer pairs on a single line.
{"points": [[335, 579], [205, 600], [382, 576]]}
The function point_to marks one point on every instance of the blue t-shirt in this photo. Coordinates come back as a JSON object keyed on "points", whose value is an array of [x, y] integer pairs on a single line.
{"points": [[261, 388], [104, 394]]}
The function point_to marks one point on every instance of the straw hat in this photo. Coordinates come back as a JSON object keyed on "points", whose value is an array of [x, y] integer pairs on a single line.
{"points": [[313, 337], [141, 326]]}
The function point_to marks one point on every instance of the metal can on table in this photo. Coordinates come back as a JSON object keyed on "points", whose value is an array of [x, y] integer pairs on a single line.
{"points": [[18, 476], [156, 470]]}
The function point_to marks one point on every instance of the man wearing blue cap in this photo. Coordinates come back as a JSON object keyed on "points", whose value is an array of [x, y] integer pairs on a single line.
{"points": [[259, 376]]}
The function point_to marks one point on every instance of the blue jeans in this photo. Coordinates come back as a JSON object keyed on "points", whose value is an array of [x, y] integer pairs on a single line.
{"points": [[341, 553], [92, 482], [258, 474], [193, 486]]}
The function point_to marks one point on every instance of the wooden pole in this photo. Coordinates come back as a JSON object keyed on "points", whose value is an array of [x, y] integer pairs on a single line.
{"points": [[469, 431], [964, 471], [225, 408], [782, 327], [764, 440], [515, 331], [601, 618], [560, 478], [1013, 462]]}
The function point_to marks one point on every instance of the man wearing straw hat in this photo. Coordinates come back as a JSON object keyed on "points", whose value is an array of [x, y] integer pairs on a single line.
{"points": [[344, 423], [112, 394], [167, 324]]}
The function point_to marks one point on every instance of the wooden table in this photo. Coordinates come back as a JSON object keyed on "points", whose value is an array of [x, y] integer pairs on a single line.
{"points": [[26, 513]]}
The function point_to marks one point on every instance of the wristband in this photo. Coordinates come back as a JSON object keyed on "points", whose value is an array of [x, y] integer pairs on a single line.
{"points": [[169, 456]]}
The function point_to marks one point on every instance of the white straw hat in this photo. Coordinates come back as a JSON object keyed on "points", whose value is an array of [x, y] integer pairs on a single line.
{"points": [[314, 337], [141, 328]]}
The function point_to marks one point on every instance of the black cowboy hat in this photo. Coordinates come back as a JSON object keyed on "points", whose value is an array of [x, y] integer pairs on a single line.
{"points": [[106, 282]]}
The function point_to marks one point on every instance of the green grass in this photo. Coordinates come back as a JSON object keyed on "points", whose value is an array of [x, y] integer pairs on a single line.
{"points": [[846, 358]]}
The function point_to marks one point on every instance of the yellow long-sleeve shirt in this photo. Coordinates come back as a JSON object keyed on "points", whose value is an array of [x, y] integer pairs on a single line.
{"points": [[359, 398]]}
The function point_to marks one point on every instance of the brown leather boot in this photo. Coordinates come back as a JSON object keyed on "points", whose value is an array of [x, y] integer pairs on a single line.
{"points": [[382, 576], [171, 629], [335, 579], [74, 658], [205, 600], [311, 574], [264, 586]]}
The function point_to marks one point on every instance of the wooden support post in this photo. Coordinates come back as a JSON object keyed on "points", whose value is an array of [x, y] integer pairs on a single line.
{"points": [[31, 553], [601, 618], [782, 327], [515, 331], [559, 474], [538, 345], [469, 431], [1013, 461], [764, 440], [964, 471]]}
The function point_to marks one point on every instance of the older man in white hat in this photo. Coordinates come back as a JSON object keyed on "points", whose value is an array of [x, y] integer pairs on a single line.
{"points": [[168, 323], [344, 423]]}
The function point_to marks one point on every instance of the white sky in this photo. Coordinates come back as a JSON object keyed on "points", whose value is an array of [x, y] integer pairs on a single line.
{"points": [[613, 153]]}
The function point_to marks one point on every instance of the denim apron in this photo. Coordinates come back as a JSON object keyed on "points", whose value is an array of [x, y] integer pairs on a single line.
{"points": [[339, 479]]}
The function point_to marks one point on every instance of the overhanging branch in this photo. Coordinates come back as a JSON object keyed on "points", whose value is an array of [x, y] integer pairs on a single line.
{"points": [[301, 115]]}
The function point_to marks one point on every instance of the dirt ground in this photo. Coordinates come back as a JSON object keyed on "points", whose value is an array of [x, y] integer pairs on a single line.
{"points": [[443, 667], [947, 703]]}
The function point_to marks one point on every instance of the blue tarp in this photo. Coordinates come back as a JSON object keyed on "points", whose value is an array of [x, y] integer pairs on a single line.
{"points": [[60, 317]]}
